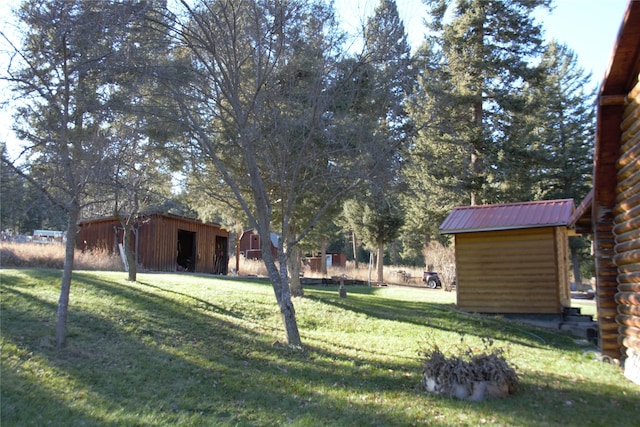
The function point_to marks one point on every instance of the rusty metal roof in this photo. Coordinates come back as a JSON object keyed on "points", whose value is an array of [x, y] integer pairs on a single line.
{"points": [[508, 216]]}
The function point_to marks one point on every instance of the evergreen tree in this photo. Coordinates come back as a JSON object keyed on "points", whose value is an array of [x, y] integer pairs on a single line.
{"points": [[487, 51], [470, 109], [382, 116], [565, 132]]}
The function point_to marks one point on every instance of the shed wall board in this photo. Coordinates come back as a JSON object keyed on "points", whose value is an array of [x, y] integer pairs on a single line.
{"points": [[158, 240], [511, 271]]}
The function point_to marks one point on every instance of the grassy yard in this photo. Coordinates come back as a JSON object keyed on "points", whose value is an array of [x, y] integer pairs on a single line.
{"points": [[186, 350]]}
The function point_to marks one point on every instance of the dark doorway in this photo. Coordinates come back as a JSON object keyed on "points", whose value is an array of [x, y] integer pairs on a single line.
{"points": [[221, 260], [186, 250]]}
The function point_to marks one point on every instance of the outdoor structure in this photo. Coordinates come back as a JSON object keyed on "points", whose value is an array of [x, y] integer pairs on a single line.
{"points": [[164, 242], [333, 260], [251, 244], [512, 258], [611, 211]]}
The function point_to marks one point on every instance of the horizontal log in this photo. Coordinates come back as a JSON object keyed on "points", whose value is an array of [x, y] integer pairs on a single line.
{"points": [[630, 132], [630, 257], [627, 298], [630, 286], [511, 303], [610, 347], [630, 115], [629, 342], [628, 246], [610, 326], [629, 331], [607, 242], [507, 310], [503, 263], [607, 276], [624, 209], [626, 229], [609, 340], [625, 188], [608, 336], [607, 312], [627, 320], [629, 152], [605, 303], [522, 287], [630, 310], [606, 292], [629, 268]]}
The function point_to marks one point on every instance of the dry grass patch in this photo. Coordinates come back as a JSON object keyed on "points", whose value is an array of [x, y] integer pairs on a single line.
{"points": [[40, 255]]}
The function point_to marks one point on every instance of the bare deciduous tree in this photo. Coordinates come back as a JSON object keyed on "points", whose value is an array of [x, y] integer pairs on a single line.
{"points": [[263, 104], [64, 77]]}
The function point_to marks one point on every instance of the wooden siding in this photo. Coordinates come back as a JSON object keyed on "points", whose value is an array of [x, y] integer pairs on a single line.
{"points": [[158, 241], [99, 235], [626, 231], [514, 271]]}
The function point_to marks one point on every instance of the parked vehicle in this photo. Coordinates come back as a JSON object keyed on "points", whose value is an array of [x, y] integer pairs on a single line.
{"points": [[431, 279]]}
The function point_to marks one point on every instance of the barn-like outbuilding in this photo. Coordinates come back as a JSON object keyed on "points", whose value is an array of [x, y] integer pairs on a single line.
{"points": [[251, 244], [611, 211], [512, 258], [164, 242]]}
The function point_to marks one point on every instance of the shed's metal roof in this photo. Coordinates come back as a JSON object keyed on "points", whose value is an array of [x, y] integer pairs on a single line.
{"points": [[508, 216]]}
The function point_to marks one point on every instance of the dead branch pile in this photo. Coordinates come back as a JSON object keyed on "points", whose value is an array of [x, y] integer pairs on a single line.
{"points": [[470, 376]]}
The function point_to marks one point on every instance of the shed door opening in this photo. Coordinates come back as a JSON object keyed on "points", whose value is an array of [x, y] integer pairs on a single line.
{"points": [[186, 250], [221, 259]]}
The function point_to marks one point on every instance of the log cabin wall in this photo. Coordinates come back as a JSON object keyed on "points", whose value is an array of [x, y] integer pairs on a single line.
{"points": [[519, 271], [626, 231]]}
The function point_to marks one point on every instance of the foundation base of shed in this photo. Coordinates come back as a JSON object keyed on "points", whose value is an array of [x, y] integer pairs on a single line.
{"points": [[571, 321]]}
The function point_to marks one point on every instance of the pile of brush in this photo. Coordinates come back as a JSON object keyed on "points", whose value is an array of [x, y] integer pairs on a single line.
{"points": [[470, 376]]}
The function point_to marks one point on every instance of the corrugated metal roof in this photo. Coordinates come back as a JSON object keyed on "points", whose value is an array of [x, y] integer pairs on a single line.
{"points": [[544, 213]]}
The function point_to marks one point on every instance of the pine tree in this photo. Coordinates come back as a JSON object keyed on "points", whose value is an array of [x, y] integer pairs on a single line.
{"points": [[487, 51]]}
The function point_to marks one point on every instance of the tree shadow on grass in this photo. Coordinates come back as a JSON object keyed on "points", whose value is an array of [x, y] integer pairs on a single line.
{"points": [[163, 360], [443, 316], [144, 355]]}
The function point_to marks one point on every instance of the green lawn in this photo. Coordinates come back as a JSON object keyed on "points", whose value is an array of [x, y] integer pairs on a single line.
{"points": [[183, 350]]}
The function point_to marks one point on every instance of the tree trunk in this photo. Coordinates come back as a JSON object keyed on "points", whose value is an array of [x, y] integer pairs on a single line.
{"points": [[65, 288], [283, 296], [380, 262], [131, 257], [294, 272], [279, 282], [354, 240], [238, 237]]}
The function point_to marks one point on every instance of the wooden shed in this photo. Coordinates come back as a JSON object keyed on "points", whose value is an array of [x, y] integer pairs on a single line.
{"points": [[611, 211], [512, 258], [164, 242]]}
